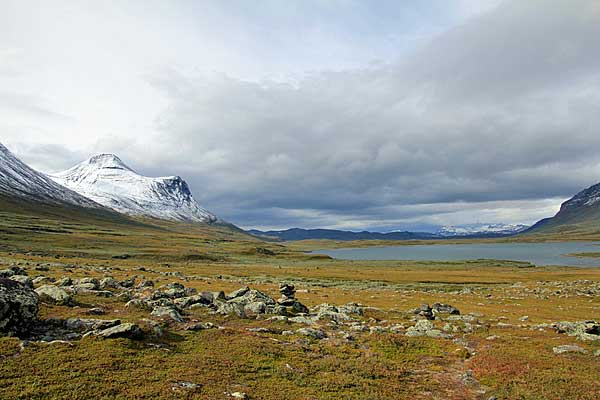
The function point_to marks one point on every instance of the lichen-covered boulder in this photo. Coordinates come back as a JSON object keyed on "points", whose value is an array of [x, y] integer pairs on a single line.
{"points": [[18, 306], [54, 295]]}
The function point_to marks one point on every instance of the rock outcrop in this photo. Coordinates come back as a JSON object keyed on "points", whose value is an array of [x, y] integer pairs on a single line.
{"points": [[18, 307]]}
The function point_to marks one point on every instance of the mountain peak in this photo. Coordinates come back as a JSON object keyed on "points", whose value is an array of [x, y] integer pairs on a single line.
{"points": [[106, 160], [105, 179]]}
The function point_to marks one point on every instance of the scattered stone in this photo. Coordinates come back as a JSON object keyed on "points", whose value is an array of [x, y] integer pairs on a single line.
{"points": [[568, 349], [440, 308], [109, 283], [54, 294], [287, 290], [42, 280], [87, 283], [238, 293], [185, 386], [87, 325], [168, 312], [127, 283], [238, 395], [425, 327], [12, 271], [24, 279], [126, 330], [312, 333], [198, 326], [66, 281], [582, 330]]}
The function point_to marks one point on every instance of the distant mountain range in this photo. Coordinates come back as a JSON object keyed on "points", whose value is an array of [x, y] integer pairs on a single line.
{"points": [[470, 231], [482, 229], [104, 187]]}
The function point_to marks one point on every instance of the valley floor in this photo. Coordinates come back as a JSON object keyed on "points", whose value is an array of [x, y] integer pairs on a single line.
{"points": [[504, 344]]}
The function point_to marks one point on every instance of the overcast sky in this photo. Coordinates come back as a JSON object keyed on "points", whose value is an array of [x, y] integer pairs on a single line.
{"points": [[345, 114]]}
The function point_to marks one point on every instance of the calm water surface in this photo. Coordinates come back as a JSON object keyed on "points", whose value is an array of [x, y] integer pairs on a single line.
{"points": [[535, 253]]}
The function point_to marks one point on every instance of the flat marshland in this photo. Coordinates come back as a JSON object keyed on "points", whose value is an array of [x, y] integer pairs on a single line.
{"points": [[502, 344]]}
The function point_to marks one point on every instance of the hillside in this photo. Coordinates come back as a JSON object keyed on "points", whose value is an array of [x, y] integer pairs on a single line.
{"points": [[578, 217]]}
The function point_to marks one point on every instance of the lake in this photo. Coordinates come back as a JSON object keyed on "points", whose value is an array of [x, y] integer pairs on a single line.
{"points": [[535, 253]]}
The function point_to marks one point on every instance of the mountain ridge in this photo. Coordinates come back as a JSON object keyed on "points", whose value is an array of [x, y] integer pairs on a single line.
{"points": [[17, 179], [580, 212], [294, 234], [107, 180]]}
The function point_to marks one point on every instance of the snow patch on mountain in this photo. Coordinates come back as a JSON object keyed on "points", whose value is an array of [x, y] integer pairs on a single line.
{"points": [[18, 180], [482, 229], [585, 198], [107, 180]]}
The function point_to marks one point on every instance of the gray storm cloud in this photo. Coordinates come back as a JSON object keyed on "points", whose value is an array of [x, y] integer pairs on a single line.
{"points": [[503, 108], [493, 119]]}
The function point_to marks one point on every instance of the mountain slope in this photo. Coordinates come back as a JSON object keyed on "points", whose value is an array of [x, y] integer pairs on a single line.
{"points": [[19, 181], [105, 179], [580, 214]]}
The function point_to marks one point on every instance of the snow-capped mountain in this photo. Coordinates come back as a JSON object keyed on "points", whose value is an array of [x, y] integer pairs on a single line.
{"points": [[105, 179], [482, 229], [18, 180]]}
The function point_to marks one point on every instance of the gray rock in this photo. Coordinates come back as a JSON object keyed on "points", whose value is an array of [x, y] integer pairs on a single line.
{"points": [[312, 333], [425, 327], [42, 280], [86, 324], [301, 319], [88, 283], [568, 349], [238, 293], [287, 290], [239, 396], [66, 281], [127, 283], [137, 303], [126, 330], [199, 326], [95, 311], [24, 279], [84, 287], [227, 308], [204, 298], [167, 312], [18, 306], [440, 308], [337, 314], [582, 330], [54, 295], [109, 283], [13, 270], [185, 386], [256, 307]]}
